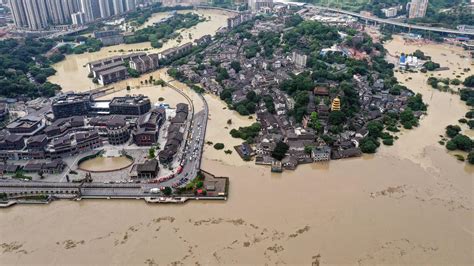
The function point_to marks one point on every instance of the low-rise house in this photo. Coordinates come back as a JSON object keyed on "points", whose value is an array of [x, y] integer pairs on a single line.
{"points": [[36, 146], [348, 153], [277, 166], [28, 125], [181, 114], [54, 167], [321, 153], [289, 163], [148, 169], [11, 142], [32, 167], [3, 111], [8, 168], [64, 125], [321, 91]]}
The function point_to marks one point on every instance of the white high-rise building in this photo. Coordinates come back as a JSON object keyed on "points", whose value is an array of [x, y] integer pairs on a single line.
{"points": [[78, 18], [36, 14], [60, 11], [105, 10], [130, 5], [91, 9], [19, 13], [117, 7], [256, 5], [418, 8]]}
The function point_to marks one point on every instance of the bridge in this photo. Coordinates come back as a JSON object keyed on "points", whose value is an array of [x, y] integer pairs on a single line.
{"points": [[387, 21]]}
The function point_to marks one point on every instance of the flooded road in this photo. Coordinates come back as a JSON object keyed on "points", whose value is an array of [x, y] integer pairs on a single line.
{"points": [[408, 204], [72, 73]]}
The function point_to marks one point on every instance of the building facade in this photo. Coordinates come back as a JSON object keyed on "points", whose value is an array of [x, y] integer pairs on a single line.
{"points": [[418, 8]]}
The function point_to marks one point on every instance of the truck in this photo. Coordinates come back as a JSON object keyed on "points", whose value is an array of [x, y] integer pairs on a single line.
{"points": [[155, 190]]}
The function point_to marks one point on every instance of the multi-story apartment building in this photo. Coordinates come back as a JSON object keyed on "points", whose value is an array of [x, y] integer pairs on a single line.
{"points": [[418, 8]]}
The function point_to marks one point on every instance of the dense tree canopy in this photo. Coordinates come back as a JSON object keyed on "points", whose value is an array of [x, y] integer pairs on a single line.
{"points": [[18, 59]]}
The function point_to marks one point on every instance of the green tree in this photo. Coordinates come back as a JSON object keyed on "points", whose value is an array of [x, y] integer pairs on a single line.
{"points": [[375, 129], [452, 130], [151, 153], [430, 65], [280, 150], [219, 146], [368, 145], [450, 145], [167, 191], [470, 157], [469, 81], [314, 122], [236, 66], [336, 118], [463, 142]]}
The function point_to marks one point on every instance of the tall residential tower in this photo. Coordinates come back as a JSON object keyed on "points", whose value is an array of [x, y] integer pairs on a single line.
{"points": [[418, 8]]}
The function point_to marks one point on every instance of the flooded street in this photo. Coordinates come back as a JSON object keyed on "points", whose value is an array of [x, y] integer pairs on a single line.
{"points": [[72, 73], [408, 204]]}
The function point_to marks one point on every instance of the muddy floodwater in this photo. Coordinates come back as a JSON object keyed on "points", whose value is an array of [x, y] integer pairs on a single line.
{"points": [[105, 164], [411, 203], [72, 73]]}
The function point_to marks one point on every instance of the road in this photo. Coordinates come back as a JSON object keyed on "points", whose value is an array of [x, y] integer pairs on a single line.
{"points": [[191, 154], [388, 21]]}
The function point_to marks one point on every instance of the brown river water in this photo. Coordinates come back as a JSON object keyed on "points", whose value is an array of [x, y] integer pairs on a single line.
{"points": [[408, 204]]}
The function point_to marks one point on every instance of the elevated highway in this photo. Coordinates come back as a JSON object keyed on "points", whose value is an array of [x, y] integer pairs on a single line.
{"points": [[387, 21]]}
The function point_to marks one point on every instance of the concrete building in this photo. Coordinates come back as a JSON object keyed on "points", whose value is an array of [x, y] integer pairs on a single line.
{"points": [[112, 75], [390, 12], [91, 9], [114, 127], [99, 65], [105, 9], [109, 37], [149, 125], [74, 143], [418, 8], [130, 105], [148, 169], [18, 13], [36, 14], [256, 5], [71, 105], [130, 5], [145, 63], [321, 153], [60, 11], [118, 7], [28, 125], [78, 18], [299, 59]]}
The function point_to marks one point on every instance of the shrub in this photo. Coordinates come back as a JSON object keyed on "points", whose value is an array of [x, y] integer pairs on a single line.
{"points": [[219, 146], [450, 145], [459, 157], [470, 157]]}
